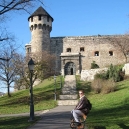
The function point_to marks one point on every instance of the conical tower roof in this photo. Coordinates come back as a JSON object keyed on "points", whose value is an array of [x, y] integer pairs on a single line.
{"points": [[40, 12]]}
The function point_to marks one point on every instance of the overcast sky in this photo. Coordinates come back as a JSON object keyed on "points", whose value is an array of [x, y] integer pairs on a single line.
{"points": [[77, 18]]}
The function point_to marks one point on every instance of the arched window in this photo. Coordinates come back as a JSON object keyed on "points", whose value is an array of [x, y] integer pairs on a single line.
{"points": [[39, 26], [31, 28], [96, 53], [31, 19], [35, 26]]}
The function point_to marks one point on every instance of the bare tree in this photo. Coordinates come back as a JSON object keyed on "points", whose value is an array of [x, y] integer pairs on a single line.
{"points": [[44, 63], [122, 44], [10, 67], [9, 6]]}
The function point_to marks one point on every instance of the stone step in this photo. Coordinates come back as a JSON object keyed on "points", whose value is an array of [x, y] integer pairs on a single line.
{"points": [[68, 97], [70, 92], [67, 102], [68, 88]]}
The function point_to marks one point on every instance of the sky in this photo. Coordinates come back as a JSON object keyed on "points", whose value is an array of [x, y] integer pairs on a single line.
{"points": [[75, 18]]}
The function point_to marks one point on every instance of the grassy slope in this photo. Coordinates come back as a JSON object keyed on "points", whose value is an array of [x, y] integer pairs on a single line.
{"points": [[19, 102], [109, 111]]}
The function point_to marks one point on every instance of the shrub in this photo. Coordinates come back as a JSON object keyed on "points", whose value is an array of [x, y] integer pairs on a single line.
{"points": [[103, 86], [114, 72], [108, 86], [96, 85], [94, 65]]}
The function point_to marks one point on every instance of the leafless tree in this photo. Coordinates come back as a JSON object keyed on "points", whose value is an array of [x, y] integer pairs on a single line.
{"points": [[122, 44], [9, 6], [10, 67]]}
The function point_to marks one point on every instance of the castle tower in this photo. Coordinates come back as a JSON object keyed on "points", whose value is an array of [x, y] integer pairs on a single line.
{"points": [[40, 24]]}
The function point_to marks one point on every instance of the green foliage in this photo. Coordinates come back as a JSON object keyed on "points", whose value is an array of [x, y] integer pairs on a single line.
{"points": [[94, 65], [114, 72]]}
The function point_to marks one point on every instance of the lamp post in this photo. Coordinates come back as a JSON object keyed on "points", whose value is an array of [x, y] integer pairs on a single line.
{"points": [[60, 79], [31, 68], [55, 86]]}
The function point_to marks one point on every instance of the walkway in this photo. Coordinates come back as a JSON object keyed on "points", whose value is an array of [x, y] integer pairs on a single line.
{"points": [[57, 118]]}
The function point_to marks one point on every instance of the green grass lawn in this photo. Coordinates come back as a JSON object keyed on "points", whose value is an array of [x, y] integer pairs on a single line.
{"points": [[16, 122], [109, 111], [43, 98]]}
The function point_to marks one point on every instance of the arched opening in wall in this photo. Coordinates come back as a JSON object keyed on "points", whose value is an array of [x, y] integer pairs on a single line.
{"points": [[35, 26], [39, 26], [70, 68], [44, 26], [31, 19]]}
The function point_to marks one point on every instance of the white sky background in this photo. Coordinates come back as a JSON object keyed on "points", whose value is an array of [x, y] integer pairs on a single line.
{"points": [[75, 18]]}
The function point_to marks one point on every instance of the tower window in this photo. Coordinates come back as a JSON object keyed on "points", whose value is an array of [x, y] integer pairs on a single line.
{"points": [[28, 50], [35, 26], [31, 19], [110, 53], [68, 49], [96, 53], [81, 49], [39, 18], [47, 19], [39, 26]]}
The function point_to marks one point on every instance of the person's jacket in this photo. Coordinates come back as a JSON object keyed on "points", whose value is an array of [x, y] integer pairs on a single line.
{"points": [[82, 105]]}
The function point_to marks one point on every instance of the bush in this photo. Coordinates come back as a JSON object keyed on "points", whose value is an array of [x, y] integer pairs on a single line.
{"points": [[114, 72], [94, 65], [96, 85], [108, 86], [103, 86]]}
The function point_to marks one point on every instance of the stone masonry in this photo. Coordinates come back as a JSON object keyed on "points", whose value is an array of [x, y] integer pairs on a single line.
{"points": [[73, 54]]}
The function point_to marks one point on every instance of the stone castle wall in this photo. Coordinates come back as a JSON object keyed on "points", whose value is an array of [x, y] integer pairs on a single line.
{"points": [[91, 44]]}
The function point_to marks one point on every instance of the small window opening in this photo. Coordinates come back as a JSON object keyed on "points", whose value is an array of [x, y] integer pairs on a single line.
{"points": [[39, 26], [35, 26], [28, 50], [96, 53], [31, 19], [47, 19], [110, 53], [81, 49], [68, 49], [39, 18]]}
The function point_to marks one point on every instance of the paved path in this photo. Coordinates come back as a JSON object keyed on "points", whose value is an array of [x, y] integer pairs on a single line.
{"points": [[57, 118]]}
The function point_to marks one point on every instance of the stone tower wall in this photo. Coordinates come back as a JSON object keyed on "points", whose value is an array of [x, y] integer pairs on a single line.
{"points": [[40, 33]]}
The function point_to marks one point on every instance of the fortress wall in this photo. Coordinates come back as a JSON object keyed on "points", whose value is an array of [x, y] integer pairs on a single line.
{"points": [[90, 44], [56, 49]]}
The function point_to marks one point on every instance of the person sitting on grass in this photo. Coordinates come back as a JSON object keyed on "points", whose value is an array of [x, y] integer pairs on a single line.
{"points": [[81, 109]]}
